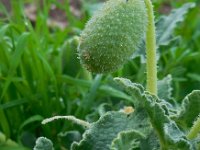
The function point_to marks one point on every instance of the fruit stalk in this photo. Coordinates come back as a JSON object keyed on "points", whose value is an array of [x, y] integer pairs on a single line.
{"points": [[151, 50], [151, 61]]}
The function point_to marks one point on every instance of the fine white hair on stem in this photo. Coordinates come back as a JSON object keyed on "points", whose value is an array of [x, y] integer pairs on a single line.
{"points": [[70, 118]]}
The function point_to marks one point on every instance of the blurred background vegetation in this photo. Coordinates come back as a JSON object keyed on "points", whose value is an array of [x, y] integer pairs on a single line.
{"points": [[40, 74]]}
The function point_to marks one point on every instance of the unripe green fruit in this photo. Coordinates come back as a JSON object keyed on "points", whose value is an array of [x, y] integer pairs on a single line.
{"points": [[111, 36]]}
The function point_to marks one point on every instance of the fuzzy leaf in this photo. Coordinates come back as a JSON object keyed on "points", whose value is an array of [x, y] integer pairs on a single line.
{"points": [[128, 140], [165, 88], [43, 143], [68, 137], [168, 132], [135, 90], [107, 128], [150, 143], [197, 142], [114, 130], [165, 95], [190, 102], [167, 24]]}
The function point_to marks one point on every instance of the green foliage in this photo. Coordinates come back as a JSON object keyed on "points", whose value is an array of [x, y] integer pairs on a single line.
{"points": [[112, 35], [194, 131], [43, 143], [128, 140], [165, 88], [150, 120], [40, 77], [190, 102], [106, 129], [8, 144], [167, 24], [165, 28], [170, 136]]}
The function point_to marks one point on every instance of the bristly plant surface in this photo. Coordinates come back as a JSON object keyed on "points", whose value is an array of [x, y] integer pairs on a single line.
{"points": [[156, 120]]}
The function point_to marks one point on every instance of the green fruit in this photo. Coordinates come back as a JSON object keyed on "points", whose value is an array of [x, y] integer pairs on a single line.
{"points": [[112, 35]]}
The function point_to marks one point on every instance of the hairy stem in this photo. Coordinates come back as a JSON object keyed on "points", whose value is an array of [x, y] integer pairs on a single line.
{"points": [[195, 130], [151, 61], [151, 50], [71, 118]]}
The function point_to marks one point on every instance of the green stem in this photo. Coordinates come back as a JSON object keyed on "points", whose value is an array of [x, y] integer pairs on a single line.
{"points": [[151, 50], [151, 62], [195, 130]]}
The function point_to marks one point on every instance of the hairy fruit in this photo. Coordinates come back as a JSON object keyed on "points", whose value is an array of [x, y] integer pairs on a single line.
{"points": [[111, 36]]}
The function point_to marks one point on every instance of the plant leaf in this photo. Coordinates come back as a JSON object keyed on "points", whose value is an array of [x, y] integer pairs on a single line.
{"points": [[127, 140], [21, 43], [35, 118], [165, 88], [150, 143], [170, 136], [165, 95], [68, 137], [134, 89], [190, 109], [165, 27], [107, 128], [114, 125], [43, 143], [167, 24]]}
